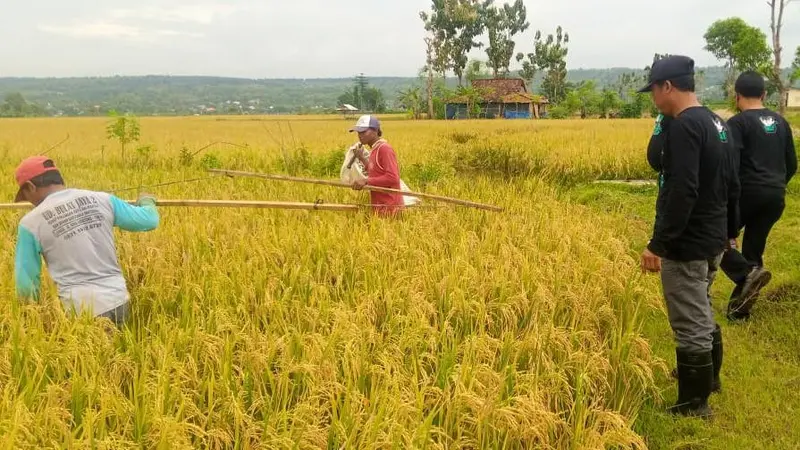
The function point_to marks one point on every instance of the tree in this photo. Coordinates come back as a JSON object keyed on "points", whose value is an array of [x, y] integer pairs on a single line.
{"points": [[774, 73], [436, 48], [411, 99], [374, 100], [629, 82], [550, 55], [741, 46], [360, 83], [584, 99], [15, 105], [796, 66], [466, 24], [609, 101], [502, 24], [367, 97], [477, 70], [123, 128]]}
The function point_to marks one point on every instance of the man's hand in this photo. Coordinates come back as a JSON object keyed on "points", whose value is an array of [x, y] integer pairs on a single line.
{"points": [[146, 199], [650, 262], [358, 150], [359, 184]]}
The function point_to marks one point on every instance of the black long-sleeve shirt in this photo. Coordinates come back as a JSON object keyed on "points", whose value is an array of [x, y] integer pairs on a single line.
{"points": [[697, 206], [765, 143]]}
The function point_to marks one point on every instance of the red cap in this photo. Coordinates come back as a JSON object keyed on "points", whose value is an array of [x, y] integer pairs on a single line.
{"points": [[31, 168]]}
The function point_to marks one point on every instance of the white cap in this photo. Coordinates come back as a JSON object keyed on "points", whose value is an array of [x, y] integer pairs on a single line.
{"points": [[366, 122]]}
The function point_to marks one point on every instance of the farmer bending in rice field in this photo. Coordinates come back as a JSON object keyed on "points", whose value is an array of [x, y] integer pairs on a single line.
{"points": [[696, 214], [73, 230], [382, 167]]}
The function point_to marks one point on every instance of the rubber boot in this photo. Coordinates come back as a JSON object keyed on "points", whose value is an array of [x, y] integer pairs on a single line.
{"points": [[695, 377], [716, 357]]}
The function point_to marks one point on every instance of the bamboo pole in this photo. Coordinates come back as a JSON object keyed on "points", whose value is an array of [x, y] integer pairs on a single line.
{"points": [[227, 204], [367, 187]]}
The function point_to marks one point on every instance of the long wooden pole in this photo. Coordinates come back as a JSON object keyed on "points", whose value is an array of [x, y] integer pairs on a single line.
{"points": [[228, 204], [367, 187]]}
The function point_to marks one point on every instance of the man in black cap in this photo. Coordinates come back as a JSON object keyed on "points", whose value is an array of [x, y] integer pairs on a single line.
{"points": [[693, 225], [767, 162]]}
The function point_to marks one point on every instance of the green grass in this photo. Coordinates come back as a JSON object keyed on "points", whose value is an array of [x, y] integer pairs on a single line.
{"points": [[758, 407]]}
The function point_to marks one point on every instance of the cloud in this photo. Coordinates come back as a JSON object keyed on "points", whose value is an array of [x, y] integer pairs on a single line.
{"points": [[198, 14], [111, 30]]}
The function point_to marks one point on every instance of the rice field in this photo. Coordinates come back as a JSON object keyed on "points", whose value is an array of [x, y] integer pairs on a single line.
{"points": [[452, 328]]}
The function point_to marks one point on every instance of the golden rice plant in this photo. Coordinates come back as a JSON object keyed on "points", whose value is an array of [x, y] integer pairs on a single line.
{"points": [[450, 328]]}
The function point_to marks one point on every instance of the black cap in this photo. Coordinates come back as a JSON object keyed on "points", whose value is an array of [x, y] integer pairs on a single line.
{"points": [[669, 68]]}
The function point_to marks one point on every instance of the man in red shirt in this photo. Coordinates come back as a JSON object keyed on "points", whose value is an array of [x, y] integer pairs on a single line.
{"points": [[382, 167]]}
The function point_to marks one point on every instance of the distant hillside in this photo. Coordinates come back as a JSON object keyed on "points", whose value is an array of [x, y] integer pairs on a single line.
{"points": [[166, 95]]}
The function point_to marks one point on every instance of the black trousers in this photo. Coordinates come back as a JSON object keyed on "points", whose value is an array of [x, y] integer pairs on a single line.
{"points": [[760, 210]]}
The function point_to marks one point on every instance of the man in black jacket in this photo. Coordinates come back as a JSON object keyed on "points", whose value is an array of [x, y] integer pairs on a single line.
{"points": [[767, 162], [655, 153], [693, 225]]}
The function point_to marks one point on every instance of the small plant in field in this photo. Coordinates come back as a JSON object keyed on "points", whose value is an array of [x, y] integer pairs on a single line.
{"points": [[296, 161], [186, 157], [124, 129], [143, 156], [328, 165], [430, 172], [210, 161]]}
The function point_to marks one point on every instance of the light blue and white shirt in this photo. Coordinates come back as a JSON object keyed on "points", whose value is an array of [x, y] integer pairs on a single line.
{"points": [[73, 230]]}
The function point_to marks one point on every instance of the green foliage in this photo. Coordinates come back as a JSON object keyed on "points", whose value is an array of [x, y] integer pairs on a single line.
{"points": [[502, 24], [363, 96], [550, 56], [210, 161], [584, 99], [473, 97], [124, 129], [465, 25], [295, 161], [412, 100], [558, 112], [477, 70], [635, 108], [186, 157], [608, 103], [796, 66], [15, 105], [328, 165], [740, 45], [424, 174]]}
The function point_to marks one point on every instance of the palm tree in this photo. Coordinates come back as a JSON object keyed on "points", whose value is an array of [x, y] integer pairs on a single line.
{"points": [[411, 99]]}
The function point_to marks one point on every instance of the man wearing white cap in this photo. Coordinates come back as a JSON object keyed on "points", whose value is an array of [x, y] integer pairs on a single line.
{"points": [[382, 167]]}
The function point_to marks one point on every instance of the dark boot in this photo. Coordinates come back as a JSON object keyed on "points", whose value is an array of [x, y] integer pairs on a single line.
{"points": [[695, 377], [716, 357]]}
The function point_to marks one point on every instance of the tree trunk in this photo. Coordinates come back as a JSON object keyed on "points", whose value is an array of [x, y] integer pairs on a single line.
{"points": [[430, 93], [775, 27], [730, 81]]}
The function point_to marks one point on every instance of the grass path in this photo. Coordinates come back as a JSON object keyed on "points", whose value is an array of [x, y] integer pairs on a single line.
{"points": [[758, 407]]}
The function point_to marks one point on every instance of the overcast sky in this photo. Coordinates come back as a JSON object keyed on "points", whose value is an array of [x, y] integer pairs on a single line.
{"points": [[332, 38]]}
